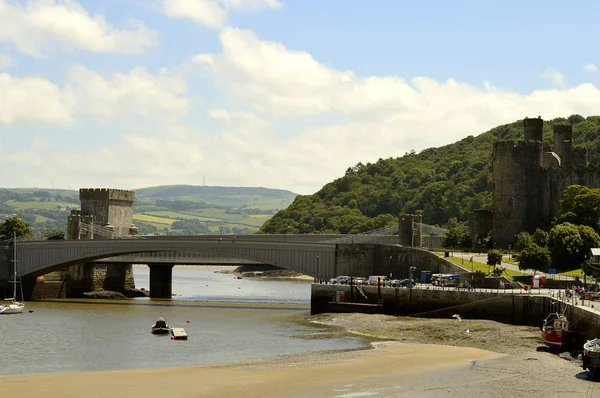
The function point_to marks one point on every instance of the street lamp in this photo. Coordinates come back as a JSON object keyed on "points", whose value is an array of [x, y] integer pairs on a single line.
{"points": [[410, 281], [462, 254], [317, 267]]}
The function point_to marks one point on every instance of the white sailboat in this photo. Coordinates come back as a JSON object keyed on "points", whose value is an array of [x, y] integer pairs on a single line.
{"points": [[13, 306]]}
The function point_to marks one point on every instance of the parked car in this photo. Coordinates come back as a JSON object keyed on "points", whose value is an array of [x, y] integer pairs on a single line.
{"points": [[359, 280], [340, 280], [377, 279], [406, 283]]}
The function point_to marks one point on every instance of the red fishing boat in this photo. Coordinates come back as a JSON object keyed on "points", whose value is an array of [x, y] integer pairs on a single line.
{"points": [[555, 331]]}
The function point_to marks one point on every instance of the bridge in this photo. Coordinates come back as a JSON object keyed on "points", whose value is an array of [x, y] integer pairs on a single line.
{"points": [[311, 254]]}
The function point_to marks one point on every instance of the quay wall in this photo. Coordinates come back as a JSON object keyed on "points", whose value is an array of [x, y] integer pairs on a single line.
{"points": [[520, 309], [366, 259]]}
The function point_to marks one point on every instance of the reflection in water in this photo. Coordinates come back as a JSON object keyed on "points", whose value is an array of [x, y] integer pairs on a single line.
{"points": [[69, 336]]}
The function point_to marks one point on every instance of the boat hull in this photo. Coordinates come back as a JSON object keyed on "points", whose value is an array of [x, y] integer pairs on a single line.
{"points": [[591, 355], [12, 308], [160, 330]]}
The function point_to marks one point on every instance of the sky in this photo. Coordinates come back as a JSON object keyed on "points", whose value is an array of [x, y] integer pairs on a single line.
{"points": [[283, 94]]}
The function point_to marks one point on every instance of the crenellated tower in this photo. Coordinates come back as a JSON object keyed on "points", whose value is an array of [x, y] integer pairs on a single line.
{"points": [[529, 182], [515, 172]]}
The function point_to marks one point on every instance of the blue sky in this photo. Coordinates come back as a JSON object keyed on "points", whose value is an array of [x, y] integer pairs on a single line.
{"points": [[275, 93]]}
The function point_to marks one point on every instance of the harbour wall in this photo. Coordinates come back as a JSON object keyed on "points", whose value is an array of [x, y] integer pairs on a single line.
{"points": [[519, 309]]}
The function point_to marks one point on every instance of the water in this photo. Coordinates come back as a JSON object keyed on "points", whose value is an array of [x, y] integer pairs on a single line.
{"points": [[203, 284], [255, 321]]}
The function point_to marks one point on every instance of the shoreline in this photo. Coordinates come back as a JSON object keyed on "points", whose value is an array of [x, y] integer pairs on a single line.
{"points": [[399, 358], [316, 374]]}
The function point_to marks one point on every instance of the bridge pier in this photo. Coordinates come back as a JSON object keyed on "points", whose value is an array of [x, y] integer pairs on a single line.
{"points": [[161, 280]]}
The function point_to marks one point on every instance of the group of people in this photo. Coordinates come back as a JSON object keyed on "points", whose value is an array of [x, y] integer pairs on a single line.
{"points": [[579, 291]]}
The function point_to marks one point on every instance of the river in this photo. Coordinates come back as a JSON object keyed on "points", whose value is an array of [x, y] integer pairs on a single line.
{"points": [[230, 320]]}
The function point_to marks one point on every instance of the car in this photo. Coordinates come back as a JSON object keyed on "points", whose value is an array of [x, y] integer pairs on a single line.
{"points": [[341, 280], [406, 283], [377, 280]]}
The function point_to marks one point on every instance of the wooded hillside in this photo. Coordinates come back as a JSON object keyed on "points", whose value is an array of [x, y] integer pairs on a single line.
{"points": [[443, 184]]}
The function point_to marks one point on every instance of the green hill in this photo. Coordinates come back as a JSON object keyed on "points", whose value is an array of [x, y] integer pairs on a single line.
{"points": [[443, 184], [175, 209]]}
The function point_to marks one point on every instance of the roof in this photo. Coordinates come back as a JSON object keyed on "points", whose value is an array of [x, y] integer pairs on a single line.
{"points": [[595, 251]]}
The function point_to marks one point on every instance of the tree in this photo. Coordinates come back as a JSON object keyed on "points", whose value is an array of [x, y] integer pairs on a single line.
{"points": [[566, 246], [457, 237], [54, 234], [581, 206], [12, 225], [522, 241], [535, 257], [540, 237], [494, 257]]}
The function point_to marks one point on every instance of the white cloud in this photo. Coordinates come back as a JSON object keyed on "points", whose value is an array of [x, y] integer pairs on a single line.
{"points": [[590, 67], [37, 27], [555, 78], [212, 13], [34, 100], [137, 92], [286, 120], [317, 120], [6, 62]]}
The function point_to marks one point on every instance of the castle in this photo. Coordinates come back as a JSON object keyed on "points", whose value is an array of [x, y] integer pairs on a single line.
{"points": [[529, 181], [104, 213]]}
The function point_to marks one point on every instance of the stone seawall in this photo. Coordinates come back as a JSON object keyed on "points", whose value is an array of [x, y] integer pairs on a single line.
{"points": [[521, 309], [373, 259]]}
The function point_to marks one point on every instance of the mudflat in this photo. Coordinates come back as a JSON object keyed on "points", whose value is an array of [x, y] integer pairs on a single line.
{"points": [[315, 375], [468, 358]]}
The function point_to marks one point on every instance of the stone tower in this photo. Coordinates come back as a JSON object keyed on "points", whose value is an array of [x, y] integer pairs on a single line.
{"points": [[109, 210], [529, 182], [105, 213], [409, 230]]}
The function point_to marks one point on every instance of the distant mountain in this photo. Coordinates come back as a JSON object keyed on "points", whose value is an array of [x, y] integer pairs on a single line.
{"points": [[224, 196], [172, 209]]}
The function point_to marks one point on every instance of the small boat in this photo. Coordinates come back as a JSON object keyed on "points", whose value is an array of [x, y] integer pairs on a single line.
{"points": [[178, 334], [160, 326], [555, 331], [591, 355], [13, 306]]}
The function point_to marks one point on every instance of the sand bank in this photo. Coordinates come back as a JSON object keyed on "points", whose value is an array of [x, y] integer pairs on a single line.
{"points": [[384, 368]]}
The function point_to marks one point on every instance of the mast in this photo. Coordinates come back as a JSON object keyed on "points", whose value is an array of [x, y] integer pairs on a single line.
{"points": [[15, 265]]}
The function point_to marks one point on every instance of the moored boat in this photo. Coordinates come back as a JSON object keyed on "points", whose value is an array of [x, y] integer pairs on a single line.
{"points": [[12, 306], [160, 327], [555, 331], [591, 355], [178, 334]]}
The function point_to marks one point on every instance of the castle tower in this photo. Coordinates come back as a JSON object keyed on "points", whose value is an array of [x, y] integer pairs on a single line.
{"points": [[109, 207], [515, 172], [563, 137], [409, 230], [534, 128]]}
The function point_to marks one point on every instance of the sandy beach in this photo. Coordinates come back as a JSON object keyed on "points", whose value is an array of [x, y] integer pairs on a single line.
{"points": [[513, 364], [317, 375]]}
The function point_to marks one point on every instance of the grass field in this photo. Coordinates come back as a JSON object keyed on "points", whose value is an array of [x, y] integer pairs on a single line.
{"points": [[483, 267], [34, 204], [154, 220], [573, 273]]}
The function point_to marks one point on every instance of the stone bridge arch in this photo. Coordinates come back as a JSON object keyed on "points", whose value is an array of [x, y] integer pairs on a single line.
{"points": [[38, 258]]}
